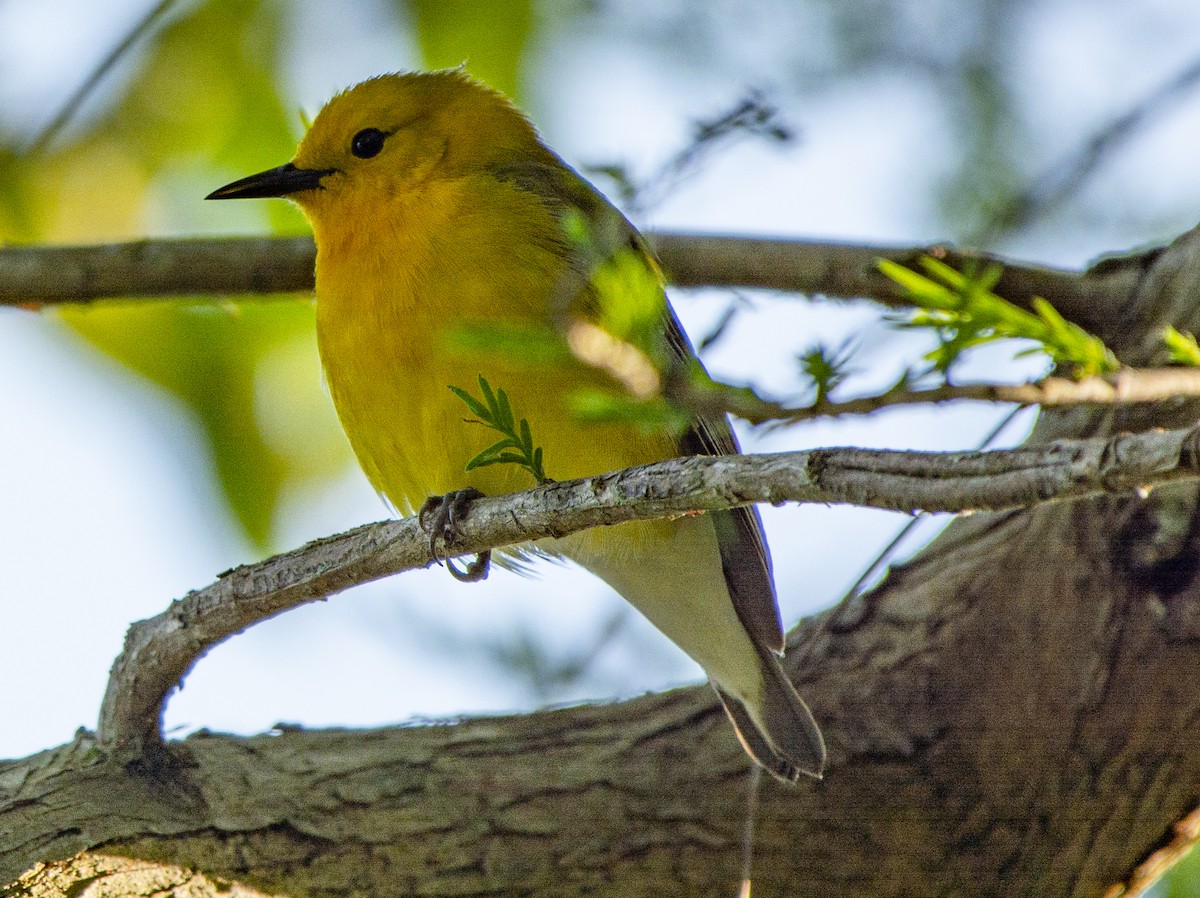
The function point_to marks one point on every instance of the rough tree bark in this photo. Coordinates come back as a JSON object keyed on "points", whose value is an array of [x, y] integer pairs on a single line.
{"points": [[1014, 712]]}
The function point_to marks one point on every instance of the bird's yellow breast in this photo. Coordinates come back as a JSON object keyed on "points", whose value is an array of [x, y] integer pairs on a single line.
{"points": [[397, 283]]}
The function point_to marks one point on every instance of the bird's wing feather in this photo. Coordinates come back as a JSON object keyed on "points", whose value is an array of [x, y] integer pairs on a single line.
{"points": [[745, 558]]}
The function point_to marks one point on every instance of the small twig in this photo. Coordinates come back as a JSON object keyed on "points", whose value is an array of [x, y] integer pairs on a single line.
{"points": [[1130, 385], [752, 115], [1066, 178], [71, 106], [159, 652]]}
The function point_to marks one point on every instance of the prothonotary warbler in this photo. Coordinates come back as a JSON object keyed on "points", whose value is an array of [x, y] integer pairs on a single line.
{"points": [[439, 212]]}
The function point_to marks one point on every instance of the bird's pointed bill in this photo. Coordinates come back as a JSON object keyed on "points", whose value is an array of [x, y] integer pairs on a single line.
{"points": [[281, 181]]}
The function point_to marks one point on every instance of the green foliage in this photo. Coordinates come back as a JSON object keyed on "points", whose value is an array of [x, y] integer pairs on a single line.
{"points": [[633, 305], [1181, 880], [964, 312], [198, 105], [490, 38], [825, 368], [216, 360], [1182, 347], [516, 447], [625, 296], [621, 307]]}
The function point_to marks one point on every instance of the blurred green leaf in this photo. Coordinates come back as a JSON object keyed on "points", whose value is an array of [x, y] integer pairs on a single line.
{"points": [[489, 37], [200, 107], [1182, 880], [825, 367], [1181, 346], [652, 416], [209, 356], [514, 341]]}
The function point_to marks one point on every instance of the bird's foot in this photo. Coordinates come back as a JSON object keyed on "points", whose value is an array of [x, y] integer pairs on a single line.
{"points": [[439, 517]]}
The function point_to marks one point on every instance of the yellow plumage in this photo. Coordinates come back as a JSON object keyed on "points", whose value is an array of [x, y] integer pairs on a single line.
{"points": [[439, 217]]}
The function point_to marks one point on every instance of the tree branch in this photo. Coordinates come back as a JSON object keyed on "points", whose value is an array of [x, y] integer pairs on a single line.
{"points": [[36, 276], [1125, 387], [159, 652]]}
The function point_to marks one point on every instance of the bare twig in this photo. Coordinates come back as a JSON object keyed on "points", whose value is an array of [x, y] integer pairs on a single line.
{"points": [[752, 115], [1066, 178], [159, 652], [1125, 387], [71, 106]]}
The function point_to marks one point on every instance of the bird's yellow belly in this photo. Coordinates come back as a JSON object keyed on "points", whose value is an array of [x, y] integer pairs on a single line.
{"points": [[414, 437]]}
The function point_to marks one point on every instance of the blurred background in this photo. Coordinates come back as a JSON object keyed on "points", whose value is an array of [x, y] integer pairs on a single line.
{"points": [[145, 449]]}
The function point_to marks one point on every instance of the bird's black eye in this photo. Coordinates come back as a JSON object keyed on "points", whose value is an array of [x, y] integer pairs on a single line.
{"points": [[367, 143]]}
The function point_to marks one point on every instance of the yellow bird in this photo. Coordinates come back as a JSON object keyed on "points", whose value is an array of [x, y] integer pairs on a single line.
{"points": [[438, 212]]}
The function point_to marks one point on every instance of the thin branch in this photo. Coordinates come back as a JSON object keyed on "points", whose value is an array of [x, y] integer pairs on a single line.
{"points": [[47, 275], [1067, 177], [159, 652], [1125, 387], [34, 276], [850, 271]]}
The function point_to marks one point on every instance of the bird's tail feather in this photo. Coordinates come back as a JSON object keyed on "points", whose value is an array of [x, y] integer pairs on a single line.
{"points": [[782, 737]]}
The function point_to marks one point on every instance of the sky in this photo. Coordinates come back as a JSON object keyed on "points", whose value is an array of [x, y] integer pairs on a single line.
{"points": [[108, 515]]}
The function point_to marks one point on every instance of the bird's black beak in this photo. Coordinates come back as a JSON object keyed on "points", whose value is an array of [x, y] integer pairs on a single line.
{"points": [[275, 182]]}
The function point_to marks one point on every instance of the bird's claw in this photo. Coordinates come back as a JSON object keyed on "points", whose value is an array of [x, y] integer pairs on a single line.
{"points": [[439, 517]]}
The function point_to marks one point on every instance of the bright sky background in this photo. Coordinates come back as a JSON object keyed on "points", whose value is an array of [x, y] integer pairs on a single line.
{"points": [[107, 514]]}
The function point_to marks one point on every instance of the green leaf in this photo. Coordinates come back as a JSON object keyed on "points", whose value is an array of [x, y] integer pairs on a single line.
{"points": [[221, 364], [195, 105], [653, 415], [477, 408], [516, 447], [489, 37], [963, 311], [530, 344], [1182, 347], [826, 368]]}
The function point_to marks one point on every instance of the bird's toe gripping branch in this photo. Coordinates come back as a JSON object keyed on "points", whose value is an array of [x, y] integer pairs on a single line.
{"points": [[439, 517]]}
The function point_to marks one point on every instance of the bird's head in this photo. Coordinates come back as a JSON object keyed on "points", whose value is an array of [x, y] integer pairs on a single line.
{"points": [[384, 137]]}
